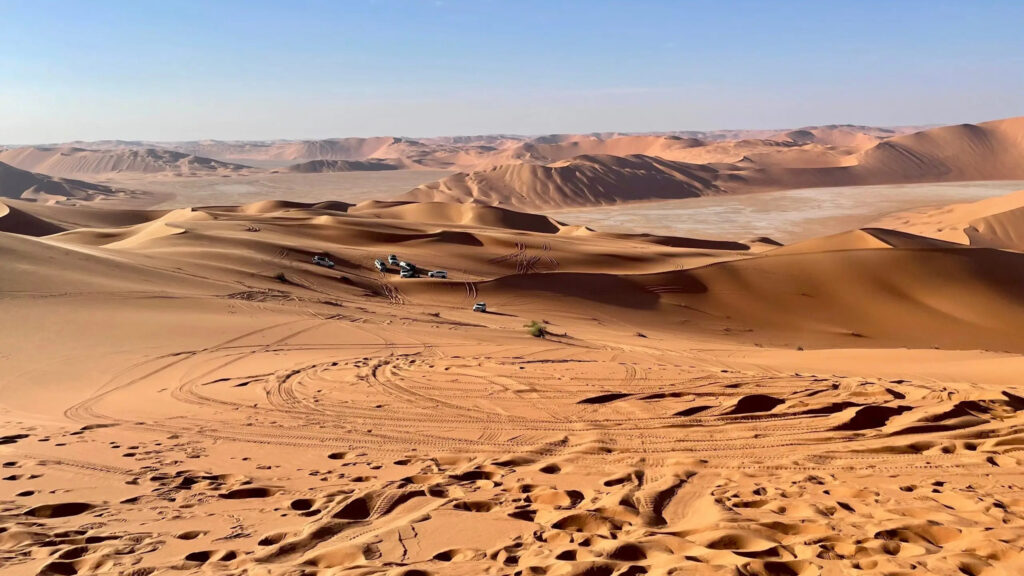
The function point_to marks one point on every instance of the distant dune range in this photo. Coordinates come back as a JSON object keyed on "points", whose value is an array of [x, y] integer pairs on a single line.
{"points": [[569, 171], [79, 162], [988, 151], [458, 152]]}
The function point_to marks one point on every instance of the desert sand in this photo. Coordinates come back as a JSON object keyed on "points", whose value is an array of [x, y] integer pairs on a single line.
{"points": [[184, 391]]}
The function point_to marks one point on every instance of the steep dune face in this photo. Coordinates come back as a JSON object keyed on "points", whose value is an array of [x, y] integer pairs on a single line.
{"points": [[582, 181], [1004, 230], [78, 162], [16, 183], [919, 297], [18, 221], [460, 214], [988, 151]]}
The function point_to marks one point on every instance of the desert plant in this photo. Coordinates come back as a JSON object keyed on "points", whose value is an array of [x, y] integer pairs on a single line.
{"points": [[536, 329]]}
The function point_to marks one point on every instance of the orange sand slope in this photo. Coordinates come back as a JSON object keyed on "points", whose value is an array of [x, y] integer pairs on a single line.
{"points": [[189, 393], [987, 151]]}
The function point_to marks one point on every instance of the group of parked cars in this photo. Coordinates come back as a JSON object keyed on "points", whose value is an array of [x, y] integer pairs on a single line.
{"points": [[407, 269]]}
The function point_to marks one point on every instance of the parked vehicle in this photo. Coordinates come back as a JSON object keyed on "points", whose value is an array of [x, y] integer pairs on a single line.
{"points": [[437, 274], [480, 307], [393, 260], [406, 273], [323, 261], [380, 265]]}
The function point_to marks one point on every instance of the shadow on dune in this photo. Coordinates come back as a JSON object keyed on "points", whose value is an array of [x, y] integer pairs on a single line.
{"points": [[621, 291]]}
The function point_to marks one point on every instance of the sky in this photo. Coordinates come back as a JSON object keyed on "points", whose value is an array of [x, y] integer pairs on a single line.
{"points": [[184, 70]]}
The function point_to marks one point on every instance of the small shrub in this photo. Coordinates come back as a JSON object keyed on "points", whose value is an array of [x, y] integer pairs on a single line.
{"points": [[536, 329]]}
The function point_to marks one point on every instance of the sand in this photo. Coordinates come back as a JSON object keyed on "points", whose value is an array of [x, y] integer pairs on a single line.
{"points": [[185, 392]]}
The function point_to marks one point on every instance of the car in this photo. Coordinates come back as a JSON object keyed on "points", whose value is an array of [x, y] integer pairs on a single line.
{"points": [[437, 274], [407, 265], [393, 260], [480, 307], [406, 273], [380, 265], [323, 261]]}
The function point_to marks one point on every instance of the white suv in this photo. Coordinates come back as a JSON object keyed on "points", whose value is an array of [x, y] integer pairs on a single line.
{"points": [[323, 261]]}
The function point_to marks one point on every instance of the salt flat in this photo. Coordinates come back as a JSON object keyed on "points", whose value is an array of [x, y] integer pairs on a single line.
{"points": [[241, 189], [786, 216]]}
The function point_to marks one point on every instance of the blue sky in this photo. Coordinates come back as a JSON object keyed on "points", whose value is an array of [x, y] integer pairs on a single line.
{"points": [[175, 70]]}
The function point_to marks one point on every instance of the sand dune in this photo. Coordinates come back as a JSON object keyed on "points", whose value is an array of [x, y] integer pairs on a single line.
{"points": [[987, 151], [582, 181], [195, 395], [318, 166], [15, 183], [992, 223], [20, 222], [82, 163]]}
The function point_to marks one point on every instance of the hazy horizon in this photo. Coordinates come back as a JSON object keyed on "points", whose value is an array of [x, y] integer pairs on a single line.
{"points": [[479, 135], [181, 71]]}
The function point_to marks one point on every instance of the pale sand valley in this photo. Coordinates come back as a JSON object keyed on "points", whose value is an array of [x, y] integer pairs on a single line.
{"points": [[765, 353]]}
